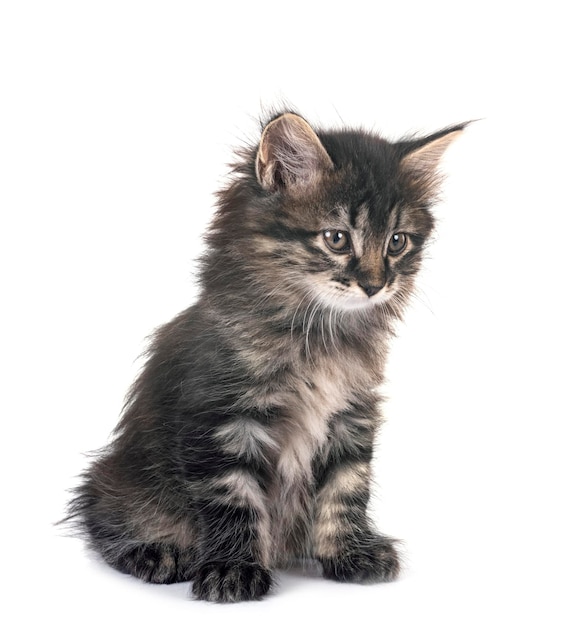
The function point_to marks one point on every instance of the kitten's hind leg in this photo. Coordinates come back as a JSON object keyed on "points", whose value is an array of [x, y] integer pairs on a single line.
{"points": [[153, 554], [156, 563], [152, 562]]}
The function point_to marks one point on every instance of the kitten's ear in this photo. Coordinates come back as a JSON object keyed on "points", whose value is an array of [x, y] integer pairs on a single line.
{"points": [[422, 156], [290, 155]]}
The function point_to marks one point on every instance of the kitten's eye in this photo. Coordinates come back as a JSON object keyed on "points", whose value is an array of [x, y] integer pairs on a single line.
{"points": [[397, 244], [337, 241]]}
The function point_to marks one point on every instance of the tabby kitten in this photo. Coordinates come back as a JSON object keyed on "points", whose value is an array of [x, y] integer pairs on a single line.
{"points": [[246, 441]]}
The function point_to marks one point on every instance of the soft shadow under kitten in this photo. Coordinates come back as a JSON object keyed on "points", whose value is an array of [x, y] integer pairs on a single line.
{"points": [[246, 441]]}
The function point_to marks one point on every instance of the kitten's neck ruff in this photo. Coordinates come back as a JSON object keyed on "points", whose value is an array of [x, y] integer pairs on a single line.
{"points": [[307, 338]]}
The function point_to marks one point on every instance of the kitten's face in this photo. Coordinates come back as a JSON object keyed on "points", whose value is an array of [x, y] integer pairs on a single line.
{"points": [[364, 264], [334, 220], [355, 256], [350, 213]]}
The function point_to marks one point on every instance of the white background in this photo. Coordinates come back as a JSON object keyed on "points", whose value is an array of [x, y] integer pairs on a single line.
{"points": [[116, 122]]}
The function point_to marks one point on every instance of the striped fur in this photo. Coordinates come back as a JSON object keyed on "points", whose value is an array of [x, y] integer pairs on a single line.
{"points": [[246, 442]]}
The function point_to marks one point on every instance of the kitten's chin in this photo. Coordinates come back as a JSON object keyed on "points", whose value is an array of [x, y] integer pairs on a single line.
{"points": [[347, 300], [354, 303]]}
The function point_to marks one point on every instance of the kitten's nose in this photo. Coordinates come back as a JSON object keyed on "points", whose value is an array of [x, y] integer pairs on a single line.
{"points": [[370, 290]]}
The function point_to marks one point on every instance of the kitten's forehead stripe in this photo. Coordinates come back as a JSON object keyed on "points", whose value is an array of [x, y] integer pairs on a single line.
{"points": [[354, 214], [282, 231], [362, 220], [393, 220]]}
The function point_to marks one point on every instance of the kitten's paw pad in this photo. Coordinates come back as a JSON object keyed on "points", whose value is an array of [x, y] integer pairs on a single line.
{"points": [[378, 562], [231, 582], [153, 563]]}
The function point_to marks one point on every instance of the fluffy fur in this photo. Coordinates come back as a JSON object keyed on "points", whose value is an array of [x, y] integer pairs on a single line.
{"points": [[246, 441]]}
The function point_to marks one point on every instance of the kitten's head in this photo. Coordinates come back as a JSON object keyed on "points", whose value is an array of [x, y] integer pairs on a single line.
{"points": [[339, 217]]}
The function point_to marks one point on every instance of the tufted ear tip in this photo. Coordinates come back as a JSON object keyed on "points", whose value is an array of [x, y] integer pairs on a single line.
{"points": [[423, 156], [290, 155]]}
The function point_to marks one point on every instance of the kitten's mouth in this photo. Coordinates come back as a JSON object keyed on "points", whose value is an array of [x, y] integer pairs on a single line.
{"points": [[348, 300], [356, 302]]}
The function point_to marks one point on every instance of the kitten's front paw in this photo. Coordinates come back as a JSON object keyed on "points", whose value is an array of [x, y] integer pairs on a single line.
{"points": [[231, 582], [375, 561]]}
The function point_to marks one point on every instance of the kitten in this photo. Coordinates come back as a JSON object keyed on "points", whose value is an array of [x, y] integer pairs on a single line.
{"points": [[246, 442]]}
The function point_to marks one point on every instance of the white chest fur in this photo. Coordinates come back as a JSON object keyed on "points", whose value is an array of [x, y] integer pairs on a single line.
{"points": [[304, 429]]}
